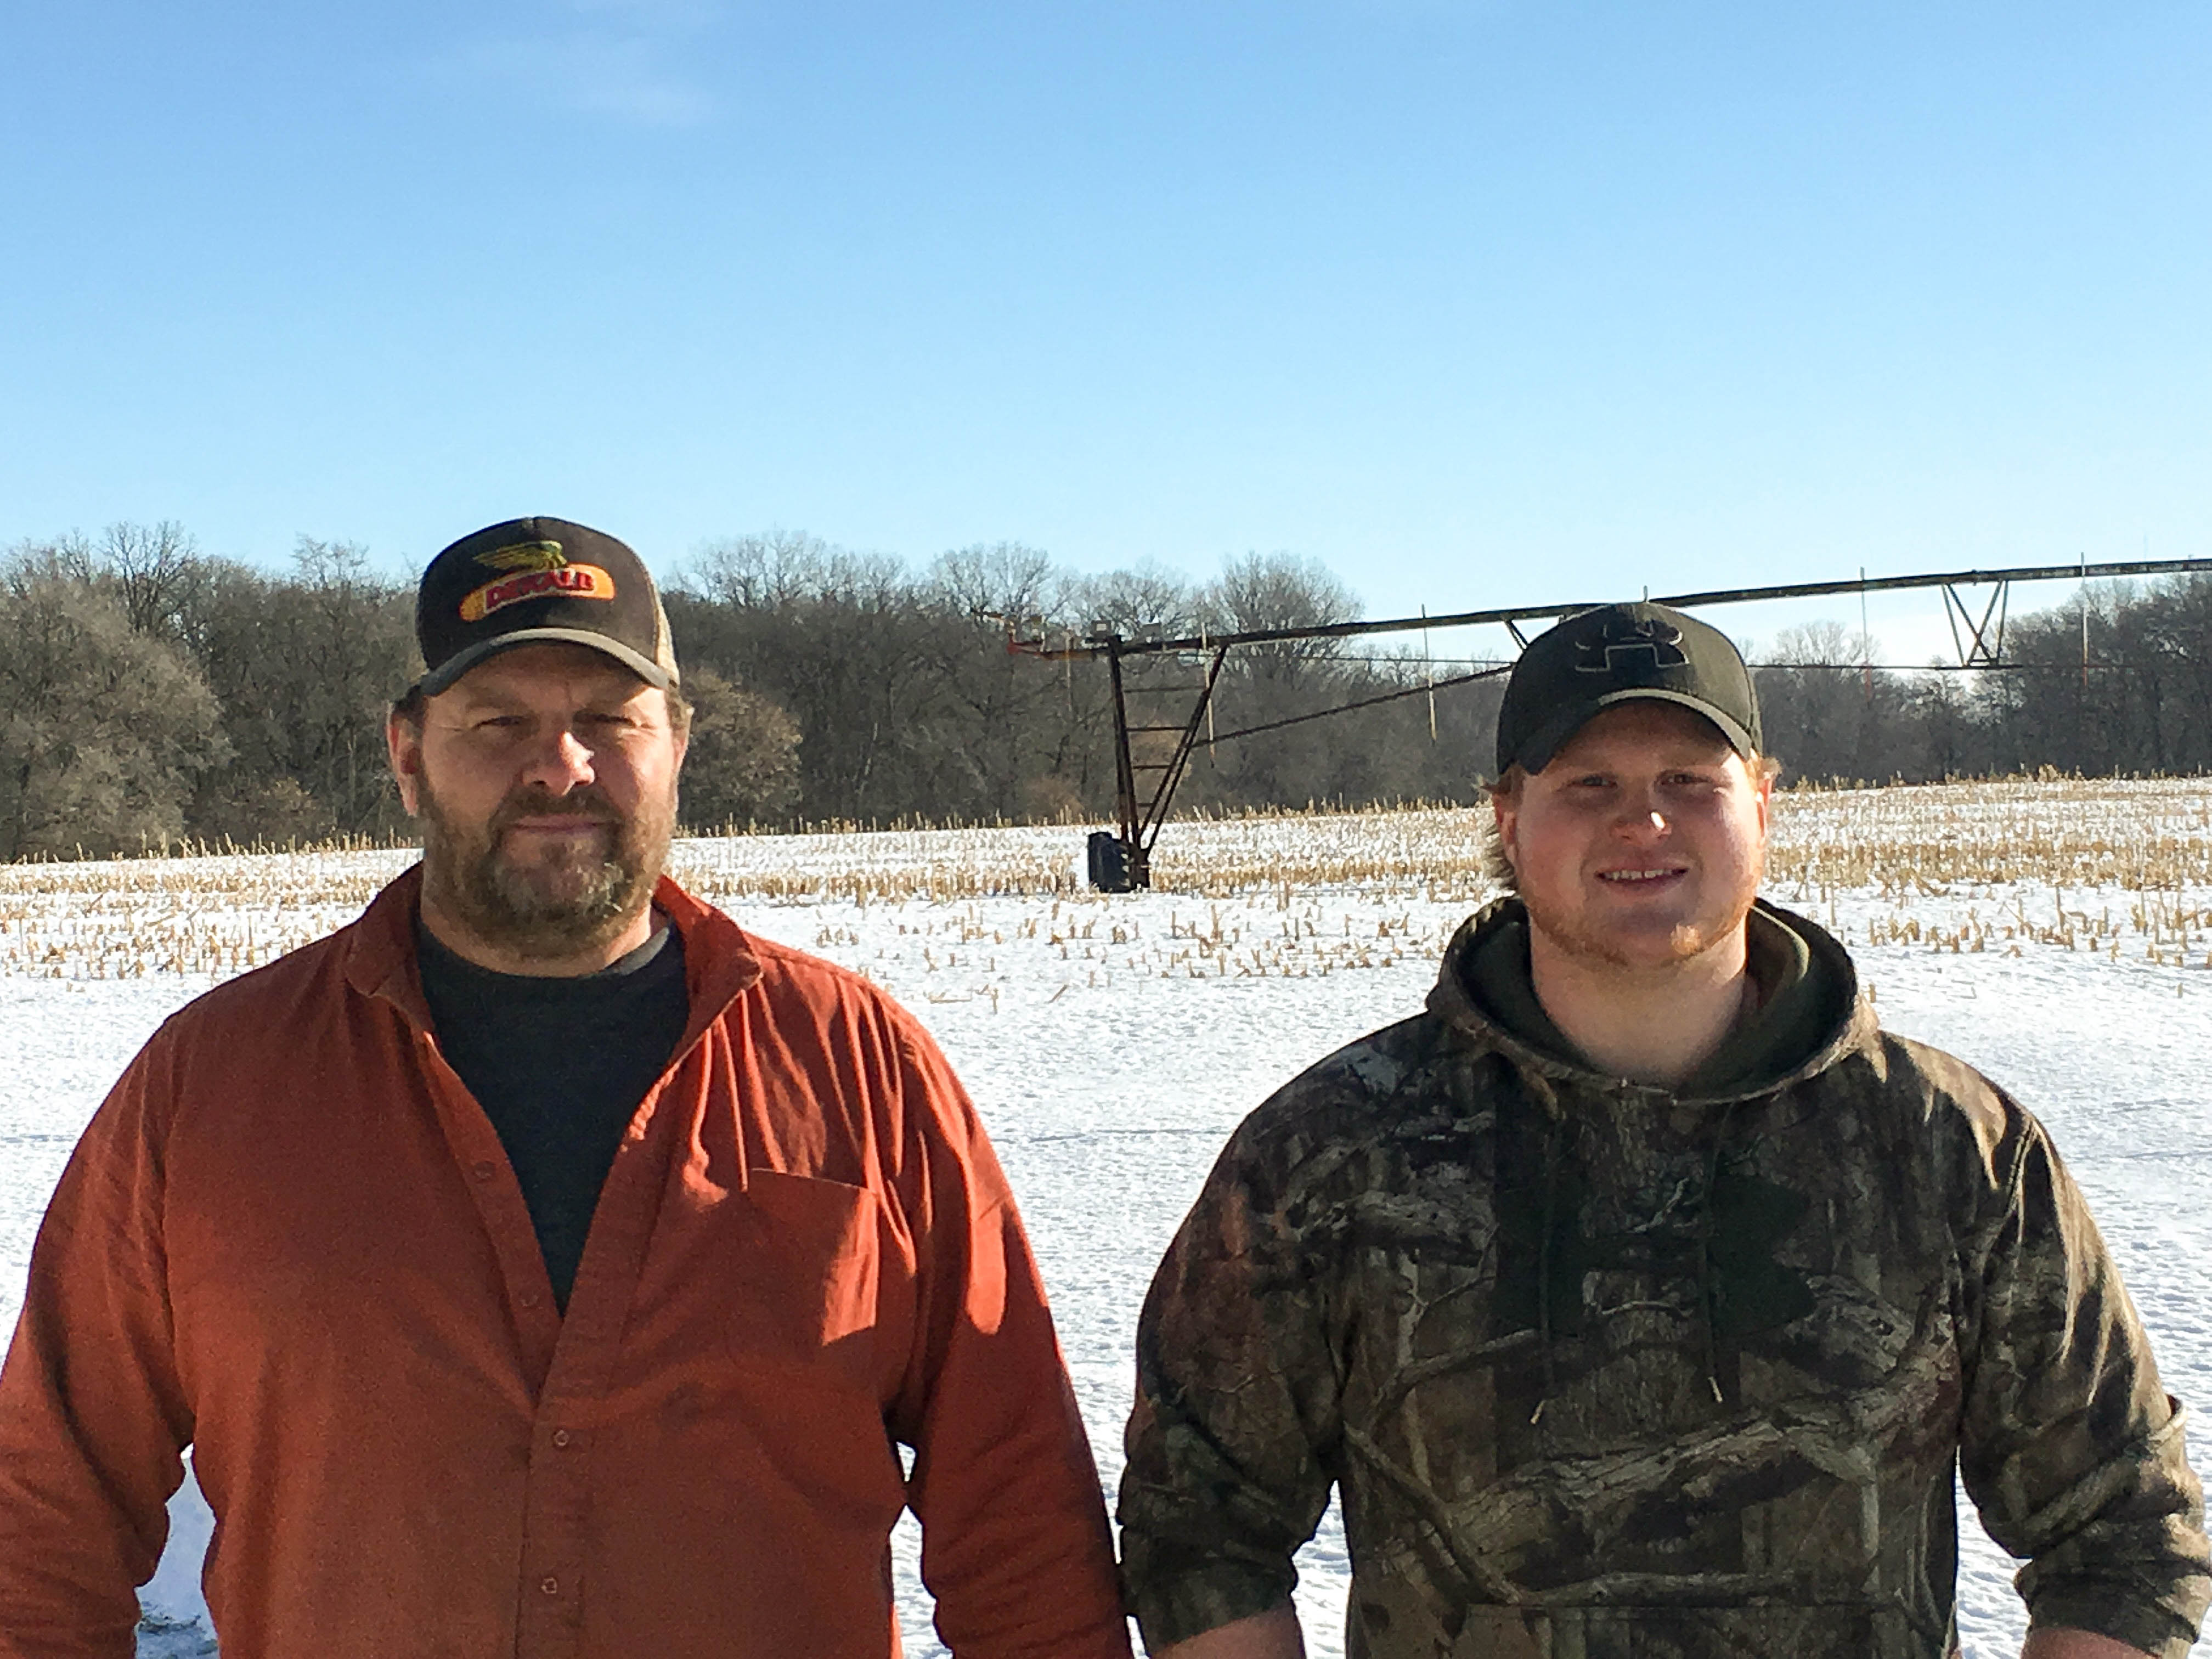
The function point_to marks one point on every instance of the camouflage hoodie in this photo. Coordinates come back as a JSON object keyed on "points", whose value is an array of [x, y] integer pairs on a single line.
{"points": [[1606, 1371]]}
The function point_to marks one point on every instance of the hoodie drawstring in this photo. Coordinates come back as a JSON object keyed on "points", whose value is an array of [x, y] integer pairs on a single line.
{"points": [[1708, 1287], [1708, 1281], [1544, 1265]]}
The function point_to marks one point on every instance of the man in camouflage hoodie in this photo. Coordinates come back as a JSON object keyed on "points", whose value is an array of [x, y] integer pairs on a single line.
{"points": [[1642, 1295]]}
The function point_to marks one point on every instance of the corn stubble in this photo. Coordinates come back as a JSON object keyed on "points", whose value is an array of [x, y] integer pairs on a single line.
{"points": [[2122, 869]]}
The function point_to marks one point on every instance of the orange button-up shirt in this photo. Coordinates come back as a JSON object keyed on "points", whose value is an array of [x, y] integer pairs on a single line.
{"points": [[291, 1239]]}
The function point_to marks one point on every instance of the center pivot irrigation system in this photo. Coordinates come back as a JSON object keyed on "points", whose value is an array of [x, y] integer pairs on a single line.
{"points": [[1120, 859]]}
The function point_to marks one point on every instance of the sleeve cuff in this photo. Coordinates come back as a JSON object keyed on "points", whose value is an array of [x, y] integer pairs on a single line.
{"points": [[2159, 1632], [1175, 1607]]}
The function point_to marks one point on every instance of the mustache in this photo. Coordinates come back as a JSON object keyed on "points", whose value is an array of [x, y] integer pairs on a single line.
{"points": [[536, 801]]}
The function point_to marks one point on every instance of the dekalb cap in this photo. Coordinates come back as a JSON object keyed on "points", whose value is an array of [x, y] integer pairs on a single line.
{"points": [[1620, 654], [531, 579]]}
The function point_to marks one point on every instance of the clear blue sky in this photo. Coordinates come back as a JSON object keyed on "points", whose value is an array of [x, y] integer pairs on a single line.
{"points": [[1475, 303]]}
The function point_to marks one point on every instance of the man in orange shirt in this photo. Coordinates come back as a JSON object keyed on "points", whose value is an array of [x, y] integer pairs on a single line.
{"points": [[540, 1266]]}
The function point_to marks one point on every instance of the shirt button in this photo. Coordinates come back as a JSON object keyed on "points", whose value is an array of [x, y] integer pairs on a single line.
{"points": [[550, 1586], [481, 1168], [562, 1437]]}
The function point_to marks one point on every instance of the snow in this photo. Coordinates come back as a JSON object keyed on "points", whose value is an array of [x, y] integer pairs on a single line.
{"points": [[1112, 1043]]}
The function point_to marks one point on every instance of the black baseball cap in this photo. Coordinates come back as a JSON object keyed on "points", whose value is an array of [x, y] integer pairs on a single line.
{"points": [[1615, 653], [531, 580]]}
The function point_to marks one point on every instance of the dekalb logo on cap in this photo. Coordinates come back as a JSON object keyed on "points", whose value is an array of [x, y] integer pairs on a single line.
{"points": [[535, 570]]}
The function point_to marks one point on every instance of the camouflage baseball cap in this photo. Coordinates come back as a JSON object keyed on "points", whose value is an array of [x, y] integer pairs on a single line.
{"points": [[532, 580], [1618, 654]]}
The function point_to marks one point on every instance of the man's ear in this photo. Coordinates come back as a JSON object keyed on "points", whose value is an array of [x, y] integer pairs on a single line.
{"points": [[403, 746], [1763, 775], [1505, 813]]}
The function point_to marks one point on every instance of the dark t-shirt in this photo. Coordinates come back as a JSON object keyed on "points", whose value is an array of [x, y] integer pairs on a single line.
{"points": [[559, 1067]]}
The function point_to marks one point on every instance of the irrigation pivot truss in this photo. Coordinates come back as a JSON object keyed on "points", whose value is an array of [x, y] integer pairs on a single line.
{"points": [[1121, 860]]}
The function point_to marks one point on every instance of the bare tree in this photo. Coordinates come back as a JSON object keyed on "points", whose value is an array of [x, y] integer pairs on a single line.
{"points": [[742, 764], [1136, 602], [762, 572], [1001, 581], [103, 730], [304, 669], [156, 569], [1828, 712], [1257, 592]]}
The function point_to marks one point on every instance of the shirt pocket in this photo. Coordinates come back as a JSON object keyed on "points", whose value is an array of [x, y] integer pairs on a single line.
{"points": [[808, 1290]]}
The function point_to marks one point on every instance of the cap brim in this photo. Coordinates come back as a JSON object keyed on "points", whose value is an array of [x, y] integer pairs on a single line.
{"points": [[1550, 738], [454, 666]]}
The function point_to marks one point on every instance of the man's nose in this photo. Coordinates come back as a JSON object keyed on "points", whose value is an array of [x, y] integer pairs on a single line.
{"points": [[561, 763], [1641, 816]]}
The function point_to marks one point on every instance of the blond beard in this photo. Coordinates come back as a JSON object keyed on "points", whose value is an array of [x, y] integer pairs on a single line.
{"points": [[1687, 941]]}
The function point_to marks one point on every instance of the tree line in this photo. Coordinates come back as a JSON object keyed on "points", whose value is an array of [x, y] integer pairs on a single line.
{"points": [[153, 694]]}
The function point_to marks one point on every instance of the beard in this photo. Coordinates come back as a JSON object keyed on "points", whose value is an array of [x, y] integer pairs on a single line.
{"points": [[574, 899], [1592, 940]]}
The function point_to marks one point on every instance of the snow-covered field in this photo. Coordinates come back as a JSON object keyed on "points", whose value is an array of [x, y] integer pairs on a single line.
{"points": [[2055, 934]]}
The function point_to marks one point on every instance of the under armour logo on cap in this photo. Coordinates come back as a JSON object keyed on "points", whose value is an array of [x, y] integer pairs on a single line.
{"points": [[1612, 654], [1624, 635]]}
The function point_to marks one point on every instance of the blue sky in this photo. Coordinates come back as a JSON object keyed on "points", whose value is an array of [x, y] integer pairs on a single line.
{"points": [[1475, 303]]}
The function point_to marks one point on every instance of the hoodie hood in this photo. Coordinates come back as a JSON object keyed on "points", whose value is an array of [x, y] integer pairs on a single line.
{"points": [[1812, 1010]]}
